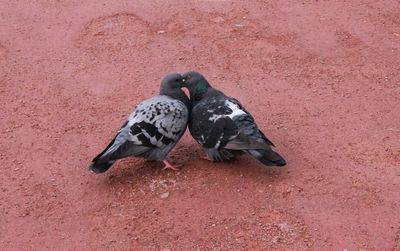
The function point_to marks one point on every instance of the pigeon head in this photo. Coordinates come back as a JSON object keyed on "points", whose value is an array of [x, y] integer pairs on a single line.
{"points": [[171, 85], [196, 84]]}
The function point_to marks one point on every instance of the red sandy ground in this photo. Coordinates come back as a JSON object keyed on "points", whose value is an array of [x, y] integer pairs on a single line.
{"points": [[320, 77]]}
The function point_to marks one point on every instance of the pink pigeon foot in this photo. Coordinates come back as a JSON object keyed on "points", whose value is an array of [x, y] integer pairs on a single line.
{"points": [[169, 166], [206, 158]]}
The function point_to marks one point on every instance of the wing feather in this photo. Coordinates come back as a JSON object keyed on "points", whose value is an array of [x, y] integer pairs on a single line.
{"points": [[156, 123]]}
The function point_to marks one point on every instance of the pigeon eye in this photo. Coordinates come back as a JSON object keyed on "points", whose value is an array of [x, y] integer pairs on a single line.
{"points": [[188, 77]]}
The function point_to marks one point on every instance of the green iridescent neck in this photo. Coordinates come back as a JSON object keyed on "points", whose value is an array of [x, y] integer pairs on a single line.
{"points": [[199, 90]]}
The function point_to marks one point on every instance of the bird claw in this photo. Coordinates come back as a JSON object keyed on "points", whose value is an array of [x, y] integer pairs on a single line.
{"points": [[169, 166], [206, 157]]}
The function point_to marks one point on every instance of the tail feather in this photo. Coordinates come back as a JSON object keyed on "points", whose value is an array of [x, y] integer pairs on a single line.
{"points": [[100, 164], [268, 157], [101, 167]]}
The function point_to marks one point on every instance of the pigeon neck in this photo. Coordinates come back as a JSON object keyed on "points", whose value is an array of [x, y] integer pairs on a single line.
{"points": [[177, 94], [199, 90]]}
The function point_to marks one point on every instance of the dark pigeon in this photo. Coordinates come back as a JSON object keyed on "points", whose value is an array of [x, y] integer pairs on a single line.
{"points": [[222, 126], [153, 128]]}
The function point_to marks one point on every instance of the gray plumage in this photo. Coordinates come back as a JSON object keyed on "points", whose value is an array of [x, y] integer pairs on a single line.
{"points": [[152, 130]]}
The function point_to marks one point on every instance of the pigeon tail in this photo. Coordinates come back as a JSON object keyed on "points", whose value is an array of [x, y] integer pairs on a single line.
{"points": [[268, 157], [101, 167]]}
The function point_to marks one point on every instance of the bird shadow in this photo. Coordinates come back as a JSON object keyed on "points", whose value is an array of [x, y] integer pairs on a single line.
{"points": [[136, 171]]}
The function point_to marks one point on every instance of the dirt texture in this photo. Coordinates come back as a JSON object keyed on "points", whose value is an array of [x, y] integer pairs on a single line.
{"points": [[320, 77]]}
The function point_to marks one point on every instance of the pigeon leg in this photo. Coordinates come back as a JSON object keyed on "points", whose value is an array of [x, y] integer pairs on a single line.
{"points": [[206, 157], [169, 166]]}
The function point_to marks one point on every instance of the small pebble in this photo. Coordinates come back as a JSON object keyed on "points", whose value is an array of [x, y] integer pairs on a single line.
{"points": [[164, 195]]}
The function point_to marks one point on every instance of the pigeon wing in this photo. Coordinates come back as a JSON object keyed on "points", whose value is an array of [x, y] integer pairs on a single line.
{"points": [[155, 124]]}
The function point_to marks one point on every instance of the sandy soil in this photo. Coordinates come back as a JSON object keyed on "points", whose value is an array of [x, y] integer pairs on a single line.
{"points": [[321, 78]]}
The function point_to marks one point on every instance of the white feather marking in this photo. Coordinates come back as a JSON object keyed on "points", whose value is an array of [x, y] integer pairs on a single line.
{"points": [[236, 111], [219, 141]]}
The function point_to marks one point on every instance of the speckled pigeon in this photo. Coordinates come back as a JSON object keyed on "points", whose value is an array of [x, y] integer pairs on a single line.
{"points": [[153, 128], [222, 126]]}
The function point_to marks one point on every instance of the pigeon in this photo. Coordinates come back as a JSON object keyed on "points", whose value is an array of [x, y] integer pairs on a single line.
{"points": [[152, 130], [223, 127]]}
